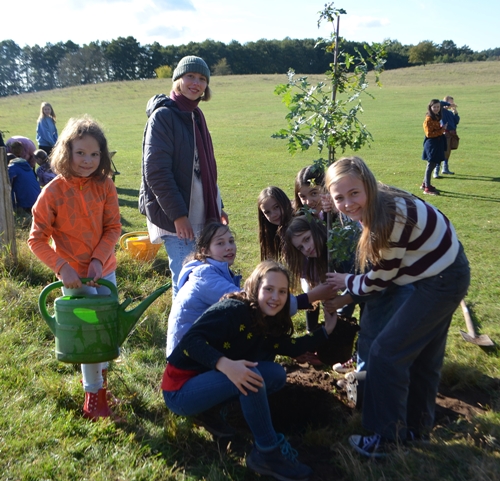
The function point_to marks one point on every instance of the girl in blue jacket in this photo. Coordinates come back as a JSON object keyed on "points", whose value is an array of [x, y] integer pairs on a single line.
{"points": [[46, 131], [203, 280]]}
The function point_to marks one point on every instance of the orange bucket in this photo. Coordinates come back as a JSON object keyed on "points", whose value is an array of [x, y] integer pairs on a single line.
{"points": [[138, 245]]}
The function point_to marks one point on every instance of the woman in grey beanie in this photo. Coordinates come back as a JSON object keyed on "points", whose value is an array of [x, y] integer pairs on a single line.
{"points": [[179, 192]]}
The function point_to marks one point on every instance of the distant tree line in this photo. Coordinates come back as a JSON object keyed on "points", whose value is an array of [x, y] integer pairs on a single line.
{"points": [[32, 69]]}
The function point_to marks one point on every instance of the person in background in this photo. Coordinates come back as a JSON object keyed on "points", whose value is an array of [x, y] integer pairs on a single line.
{"points": [[24, 186], [274, 213], [46, 131], [434, 144], [450, 118], [224, 357], [76, 225], [28, 149], [43, 172], [179, 192]]}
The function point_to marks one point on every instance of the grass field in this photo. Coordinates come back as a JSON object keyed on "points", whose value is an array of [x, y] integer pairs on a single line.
{"points": [[42, 435]]}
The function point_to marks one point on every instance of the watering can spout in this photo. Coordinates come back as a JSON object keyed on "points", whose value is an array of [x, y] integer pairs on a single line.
{"points": [[128, 319]]}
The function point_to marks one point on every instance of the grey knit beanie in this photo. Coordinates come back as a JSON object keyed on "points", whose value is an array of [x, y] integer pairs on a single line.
{"points": [[191, 64]]}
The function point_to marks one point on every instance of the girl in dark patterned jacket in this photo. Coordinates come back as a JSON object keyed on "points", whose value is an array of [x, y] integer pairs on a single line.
{"points": [[404, 241], [224, 357], [179, 192]]}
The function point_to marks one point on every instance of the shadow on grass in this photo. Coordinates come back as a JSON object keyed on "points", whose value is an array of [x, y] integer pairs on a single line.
{"points": [[466, 196]]}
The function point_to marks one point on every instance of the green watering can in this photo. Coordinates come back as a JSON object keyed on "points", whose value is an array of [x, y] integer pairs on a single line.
{"points": [[90, 329]]}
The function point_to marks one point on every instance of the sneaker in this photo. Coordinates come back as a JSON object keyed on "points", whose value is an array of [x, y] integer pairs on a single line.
{"points": [[214, 421], [422, 187], [431, 190], [343, 367], [342, 384], [374, 446], [279, 462]]}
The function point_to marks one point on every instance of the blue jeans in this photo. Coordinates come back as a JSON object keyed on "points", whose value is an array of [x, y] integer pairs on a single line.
{"points": [[406, 357], [211, 388], [177, 251], [377, 311]]}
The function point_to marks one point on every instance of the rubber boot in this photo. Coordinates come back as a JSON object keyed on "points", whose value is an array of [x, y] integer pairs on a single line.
{"points": [[96, 405], [446, 170]]}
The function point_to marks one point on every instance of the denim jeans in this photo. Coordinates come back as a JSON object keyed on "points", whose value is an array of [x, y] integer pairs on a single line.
{"points": [[377, 311], [92, 379], [406, 357], [177, 251], [211, 388]]}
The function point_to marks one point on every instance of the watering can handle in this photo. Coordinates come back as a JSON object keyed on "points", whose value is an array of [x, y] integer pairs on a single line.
{"points": [[42, 300]]}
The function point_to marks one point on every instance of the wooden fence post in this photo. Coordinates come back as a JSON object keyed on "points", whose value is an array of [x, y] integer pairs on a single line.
{"points": [[8, 246]]}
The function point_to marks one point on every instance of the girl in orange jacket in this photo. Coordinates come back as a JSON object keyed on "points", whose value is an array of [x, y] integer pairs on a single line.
{"points": [[76, 225]]}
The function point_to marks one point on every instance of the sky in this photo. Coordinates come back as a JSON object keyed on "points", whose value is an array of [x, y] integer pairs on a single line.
{"points": [[177, 22]]}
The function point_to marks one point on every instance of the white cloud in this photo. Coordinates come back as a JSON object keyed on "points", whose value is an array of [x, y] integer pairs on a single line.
{"points": [[356, 22]]}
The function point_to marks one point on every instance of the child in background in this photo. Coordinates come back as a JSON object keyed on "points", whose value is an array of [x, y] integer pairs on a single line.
{"points": [[308, 189], [28, 149], [24, 186], [44, 172], [223, 358], [404, 241], [46, 131], [434, 144], [76, 224], [203, 280], [275, 211]]}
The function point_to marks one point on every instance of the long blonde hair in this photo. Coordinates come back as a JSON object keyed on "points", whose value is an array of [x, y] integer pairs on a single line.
{"points": [[52, 114], [380, 211]]}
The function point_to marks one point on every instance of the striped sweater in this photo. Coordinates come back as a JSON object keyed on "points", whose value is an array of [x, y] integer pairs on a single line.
{"points": [[418, 252]]}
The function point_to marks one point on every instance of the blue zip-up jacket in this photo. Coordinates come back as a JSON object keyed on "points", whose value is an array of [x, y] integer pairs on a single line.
{"points": [[448, 117], [46, 132], [25, 187], [201, 284]]}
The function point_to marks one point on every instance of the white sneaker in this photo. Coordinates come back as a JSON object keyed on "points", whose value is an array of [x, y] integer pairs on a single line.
{"points": [[343, 367]]}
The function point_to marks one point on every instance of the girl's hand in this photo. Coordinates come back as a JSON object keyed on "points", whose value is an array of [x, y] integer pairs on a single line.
{"points": [[336, 280], [69, 277], [321, 292], [224, 218], [330, 321], [183, 228], [94, 271], [338, 302], [327, 203], [240, 375]]}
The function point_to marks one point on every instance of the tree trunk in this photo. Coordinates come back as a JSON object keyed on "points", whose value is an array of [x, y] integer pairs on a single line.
{"points": [[7, 225]]}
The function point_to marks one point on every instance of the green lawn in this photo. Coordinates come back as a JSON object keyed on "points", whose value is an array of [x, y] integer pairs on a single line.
{"points": [[42, 435]]}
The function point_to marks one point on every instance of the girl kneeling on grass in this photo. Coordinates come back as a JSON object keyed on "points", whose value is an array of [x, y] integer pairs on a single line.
{"points": [[203, 280], [223, 358], [76, 225], [404, 241]]}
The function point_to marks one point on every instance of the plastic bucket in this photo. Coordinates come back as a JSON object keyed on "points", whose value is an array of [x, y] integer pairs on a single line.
{"points": [[138, 245]]}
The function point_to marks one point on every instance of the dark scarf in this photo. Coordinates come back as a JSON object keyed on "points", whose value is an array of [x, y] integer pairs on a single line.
{"points": [[206, 157]]}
